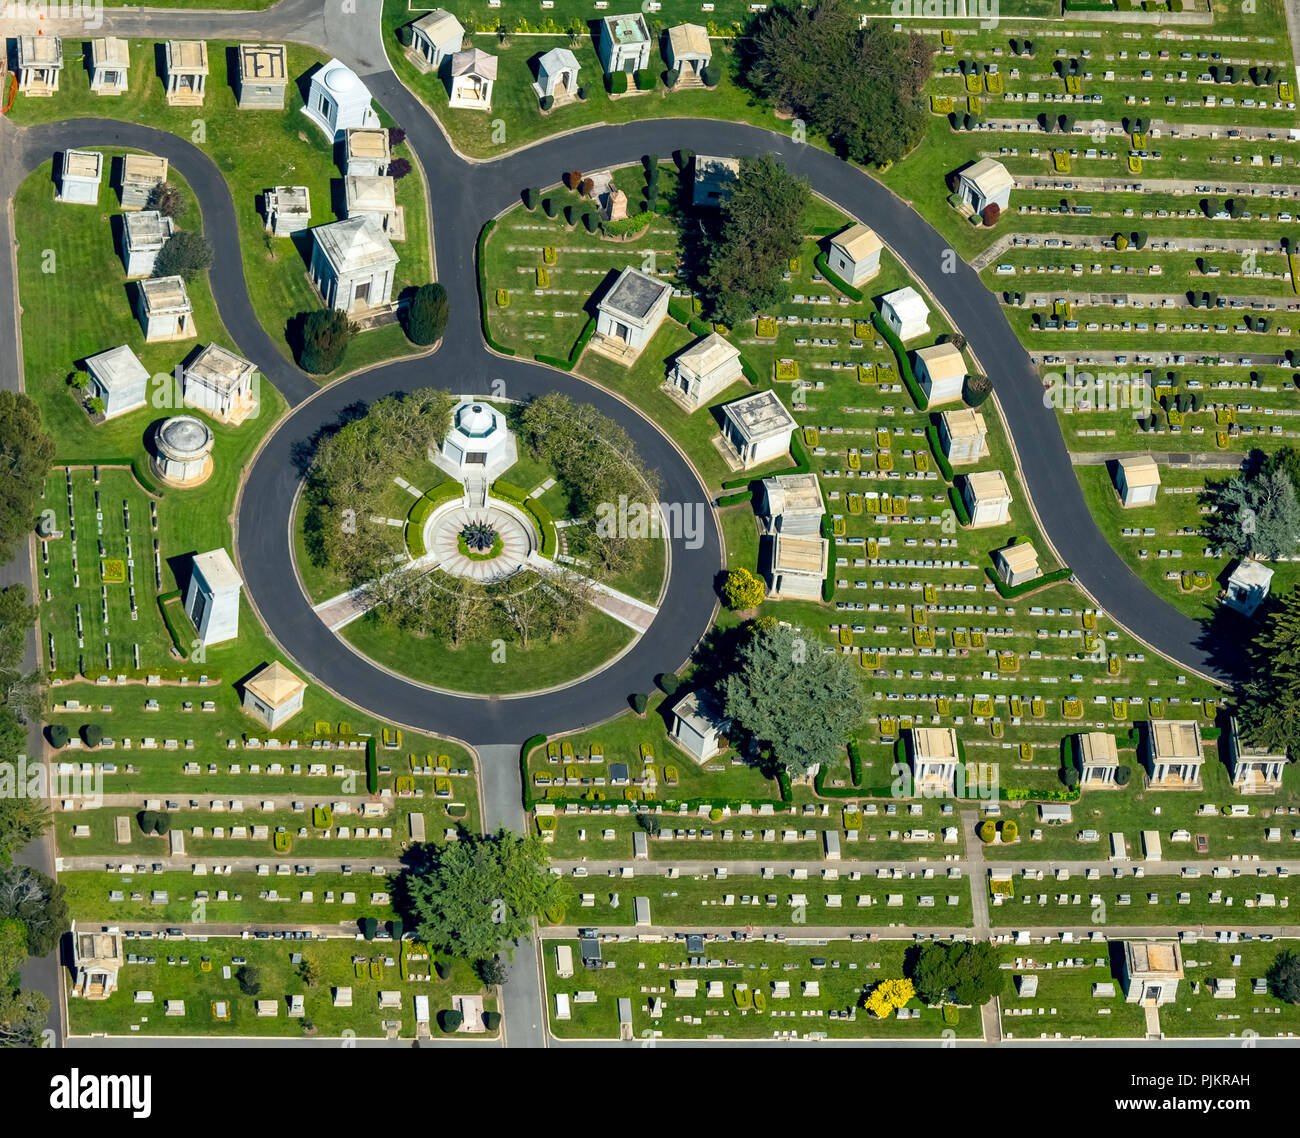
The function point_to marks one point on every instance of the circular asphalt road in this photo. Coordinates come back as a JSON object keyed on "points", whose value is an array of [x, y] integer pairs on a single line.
{"points": [[465, 195]]}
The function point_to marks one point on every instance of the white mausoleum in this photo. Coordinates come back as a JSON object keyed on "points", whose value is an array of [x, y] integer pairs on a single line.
{"points": [[905, 313], [110, 65], [757, 428], [212, 597], [1137, 480], [1248, 586], [338, 100], [80, 176], [352, 264], [162, 305], [220, 382], [119, 379], [940, 371], [987, 498], [704, 370], [274, 694], [629, 314], [854, 255], [143, 236]]}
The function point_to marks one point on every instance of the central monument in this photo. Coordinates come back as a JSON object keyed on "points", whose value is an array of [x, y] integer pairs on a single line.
{"points": [[479, 444]]}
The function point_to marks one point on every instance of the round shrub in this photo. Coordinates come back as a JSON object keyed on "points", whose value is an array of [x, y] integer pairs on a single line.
{"points": [[426, 317], [710, 75], [162, 824], [671, 76], [441, 969], [450, 1020], [369, 927], [987, 829], [146, 820], [325, 336], [1010, 831], [492, 1020], [670, 682], [548, 101], [92, 734], [1122, 776], [404, 35], [715, 815], [640, 702], [58, 735]]}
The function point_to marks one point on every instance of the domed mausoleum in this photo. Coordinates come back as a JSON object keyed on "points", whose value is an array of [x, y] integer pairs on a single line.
{"points": [[479, 443], [182, 451]]}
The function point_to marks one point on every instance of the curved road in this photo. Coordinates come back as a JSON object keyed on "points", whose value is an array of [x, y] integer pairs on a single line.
{"points": [[466, 194]]}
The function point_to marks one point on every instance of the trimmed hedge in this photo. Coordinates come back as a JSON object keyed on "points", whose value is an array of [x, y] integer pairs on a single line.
{"points": [[424, 506], [735, 499], [904, 364], [508, 490], [527, 749], [484, 233], [617, 83], [958, 505], [181, 637], [936, 449], [545, 527], [1008, 592], [747, 370], [823, 267], [372, 766], [678, 311], [588, 330]]}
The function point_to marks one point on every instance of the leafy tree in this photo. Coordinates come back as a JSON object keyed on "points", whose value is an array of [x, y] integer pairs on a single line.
{"points": [[187, 254], [396, 136], [96, 406], [249, 979], [398, 168], [26, 454], [795, 702], [760, 229], [470, 898], [29, 896], [310, 971], [492, 971], [1070, 776], [23, 819], [976, 389], [426, 319], [743, 590], [888, 996], [1268, 700], [965, 972], [325, 336], [23, 1017], [1255, 515], [167, 200], [798, 57], [648, 822], [1283, 976]]}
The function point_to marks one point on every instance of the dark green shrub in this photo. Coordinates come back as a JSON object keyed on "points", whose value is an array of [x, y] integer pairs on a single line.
{"points": [[492, 1020], [617, 83], [670, 682], [589, 221], [147, 821], [396, 928], [710, 75], [426, 317], [325, 336], [187, 254], [671, 76], [249, 979], [548, 207], [92, 734], [531, 197], [639, 702], [450, 1020], [58, 735], [548, 101], [162, 824], [645, 79], [976, 389], [1122, 775], [369, 927]]}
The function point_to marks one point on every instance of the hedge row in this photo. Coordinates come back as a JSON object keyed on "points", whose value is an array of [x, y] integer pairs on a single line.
{"points": [[484, 233], [372, 766], [424, 506], [588, 330], [735, 499], [936, 449], [527, 749], [1008, 592], [958, 505], [508, 492], [904, 364], [181, 637], [823, 267]]}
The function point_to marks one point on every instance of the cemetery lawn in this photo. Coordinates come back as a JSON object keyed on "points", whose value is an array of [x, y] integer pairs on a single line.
{"points": [[290, 150], [1172, 513], [471, 668], [1205, 1015], [1064, 1002], [756, 965], [515, 103], [64, 320], [118, 1015]]}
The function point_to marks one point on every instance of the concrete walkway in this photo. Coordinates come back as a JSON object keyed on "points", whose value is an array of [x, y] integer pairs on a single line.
{"points": [[1201, 460]]}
